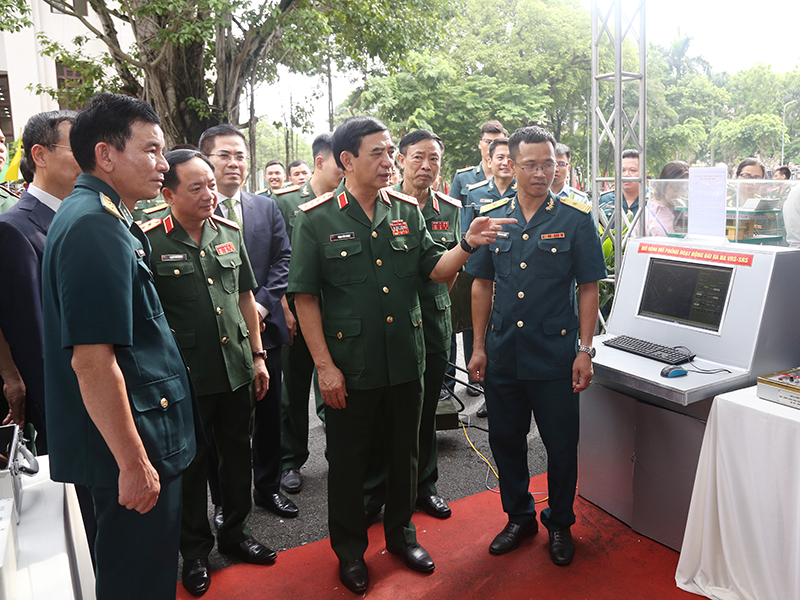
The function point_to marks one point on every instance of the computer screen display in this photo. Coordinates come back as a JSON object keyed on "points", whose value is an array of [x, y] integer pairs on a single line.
{"points": [[687, 293]]}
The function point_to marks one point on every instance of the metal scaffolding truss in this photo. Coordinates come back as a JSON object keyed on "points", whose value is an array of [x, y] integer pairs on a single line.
{"points": [[612, 129]]}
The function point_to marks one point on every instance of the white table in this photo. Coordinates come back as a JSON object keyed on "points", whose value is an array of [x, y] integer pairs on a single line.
{"points": [[742, 539]]}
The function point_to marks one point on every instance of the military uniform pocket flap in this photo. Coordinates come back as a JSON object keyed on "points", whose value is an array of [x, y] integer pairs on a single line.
{"points": [[500, 245], [229, 260], [174, 269], [416, 316], [554, 246], [343, 327], [496, 322], [442, 301], [446, 238], [342, 249], [157, 395], [560, 325], [404, 243]]}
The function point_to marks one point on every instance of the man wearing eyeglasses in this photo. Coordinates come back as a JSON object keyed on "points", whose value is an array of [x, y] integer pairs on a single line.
{"points": [[560, 187], [268, 247], [527, 325]]}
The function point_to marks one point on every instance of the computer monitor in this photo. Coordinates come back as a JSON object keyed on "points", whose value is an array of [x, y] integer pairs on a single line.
{"points": [[690, 294]]}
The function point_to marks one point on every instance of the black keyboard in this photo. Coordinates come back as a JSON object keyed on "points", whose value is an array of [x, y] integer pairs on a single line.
{"points": [[664, 354]]}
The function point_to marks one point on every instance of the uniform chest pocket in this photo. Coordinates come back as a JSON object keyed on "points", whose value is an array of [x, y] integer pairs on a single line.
{"points": [[405, 255], [229, 273], [553, 258], [345, 262], [445, 238], [501, 256], [177, 281], [151, 305]]}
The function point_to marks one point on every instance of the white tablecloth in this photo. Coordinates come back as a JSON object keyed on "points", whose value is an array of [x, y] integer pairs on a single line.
{"points": [[742, 539]]}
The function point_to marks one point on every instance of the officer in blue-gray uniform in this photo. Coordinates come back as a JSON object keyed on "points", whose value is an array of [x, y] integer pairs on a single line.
{"points": [[560, 187], [527, 334], [630, 189], [119, 401]]}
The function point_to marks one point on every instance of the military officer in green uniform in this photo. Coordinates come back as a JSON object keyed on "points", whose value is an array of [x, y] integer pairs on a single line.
{"points": [[420, 157], [357, 258], [203, 276], [528, 323], [298, 366], [118, 396], [147, 210]]}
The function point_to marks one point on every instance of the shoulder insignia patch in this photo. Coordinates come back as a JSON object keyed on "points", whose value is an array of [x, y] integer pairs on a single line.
{"points": [[448, 199], [225, 221], [464, 170], [493, 205], [472, 186], [401, 196], [110, 206], [148, 225], [577, 205], [153, 209], [286, 190], [316, 202]]}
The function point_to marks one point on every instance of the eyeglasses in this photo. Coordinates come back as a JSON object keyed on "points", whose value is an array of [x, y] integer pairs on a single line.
{"points": [[226, 156], [749, 176], [59, 146], [562, 164], [545, 169]]}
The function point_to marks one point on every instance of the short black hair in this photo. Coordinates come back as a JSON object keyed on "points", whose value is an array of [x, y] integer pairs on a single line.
{"points": [[42, 129], [25, 170], [749, 162], [322, 144], [501, 141], [296, 163], [107, 118], [494, 126], [529, 135], [178, 157], [416, 136], [275, 161], [349, 134], [563, 150], [787, 172], [630, 153], [206, 142]]}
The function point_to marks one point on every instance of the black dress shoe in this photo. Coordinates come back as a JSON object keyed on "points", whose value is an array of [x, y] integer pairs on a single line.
{"points": [[562, 548], [354, 575], [512, 535], [474, 390], [415, 557], [250, 551], [195, 576], [435, 506], [482, 412], [217, 516], [277, 503], [291, 481]]}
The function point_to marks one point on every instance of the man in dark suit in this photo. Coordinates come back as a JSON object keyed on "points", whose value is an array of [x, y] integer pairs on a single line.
{"points": [[269, 250], [22, 235]]}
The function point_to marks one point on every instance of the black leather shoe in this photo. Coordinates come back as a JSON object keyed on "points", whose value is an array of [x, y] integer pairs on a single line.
{"points": [[195, 576], [482, 412], [475, 389], [217, 516], [512, 535], [435, 506], [562, 548], [277, 503], [291, 481], [354, 575], [250, 551], [415, 557]]}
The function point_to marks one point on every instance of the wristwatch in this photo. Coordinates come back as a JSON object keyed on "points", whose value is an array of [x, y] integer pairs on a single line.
{"points": [[467, 248], [588, 349], [261, 353]]}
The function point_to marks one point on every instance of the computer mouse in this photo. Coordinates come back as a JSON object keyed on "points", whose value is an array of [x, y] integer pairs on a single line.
{"points": [[673, 371]]}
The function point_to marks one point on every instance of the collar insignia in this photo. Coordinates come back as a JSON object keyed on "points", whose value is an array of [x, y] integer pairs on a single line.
{"points": [[550, 204], [342, 200]]}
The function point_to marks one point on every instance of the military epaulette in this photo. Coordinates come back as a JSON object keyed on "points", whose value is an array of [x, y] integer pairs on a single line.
{"points": [[110, 206], [465, 169], [315, 202], [261, 192], [495, 204], [286, 190], [579, 193], [449, 199], [227, 222], [148, 225], [153, 209], [472, 186], [577, 205], [401, 196]]}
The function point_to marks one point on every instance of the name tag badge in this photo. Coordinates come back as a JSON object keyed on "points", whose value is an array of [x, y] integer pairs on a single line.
{"points": [[503, 235], [399, 227], [140, 253], [485, 200], [338, 237], [225, 248], [440, 225], [172, 257], [551, 236]]}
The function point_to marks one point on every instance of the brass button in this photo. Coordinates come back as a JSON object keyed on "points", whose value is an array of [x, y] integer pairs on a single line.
{"points": [[202, 253], [164, 403], [219, 310], [224, 340], [497, 250], [385, 290], [344, 253], [525, 236], [521, 294], [520, 323], [389, 319], [563, 332], [405, 246], [444, 239], [553, 250], [233, 263], [177, 271], [339, 335], [379, 262], [374, 234], [210, 281], [523, 265], [419, 323]]}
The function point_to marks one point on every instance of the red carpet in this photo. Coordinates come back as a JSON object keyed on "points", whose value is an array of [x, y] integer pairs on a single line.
{"points": [[612, 562]]}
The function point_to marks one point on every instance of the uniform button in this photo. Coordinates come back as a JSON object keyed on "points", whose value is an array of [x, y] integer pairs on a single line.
{"points": [[497, 250], [385, 290], [219, 310], [419, 323], [379, 262], [202, 253], [525, 236], [389, 319], [521, 294], [520, 323], [233, 263], [405, 246], [339, 335], [177, 271], [344, 253], [210, 281], [553, 250], [224, 340], [374, 234], [563, 332], [523, 265], [444, 239], [164, 403]]}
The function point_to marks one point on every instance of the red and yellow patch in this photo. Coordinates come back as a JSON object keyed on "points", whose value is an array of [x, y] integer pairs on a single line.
{"points": [[225, 248], [399, 227], [169, 225], [440, 225], [342, 200], [550, 236]]}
